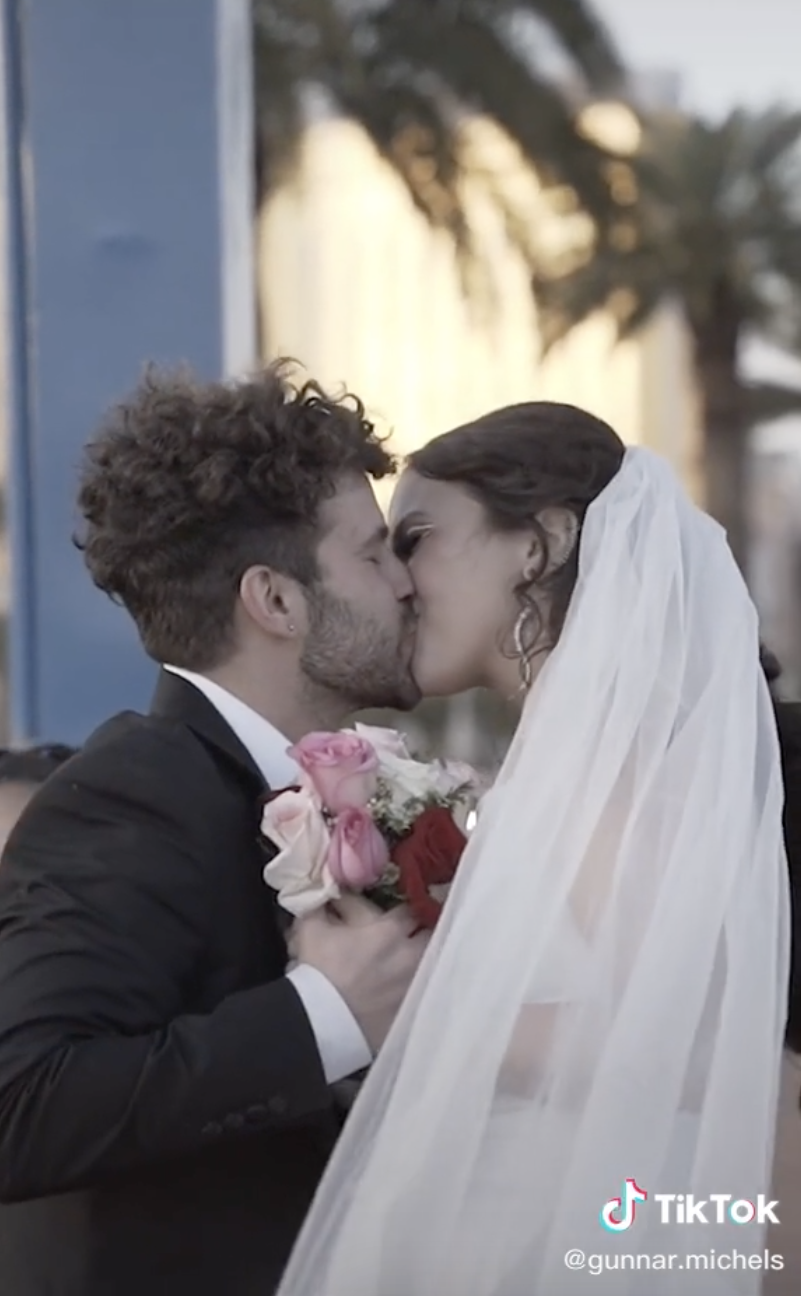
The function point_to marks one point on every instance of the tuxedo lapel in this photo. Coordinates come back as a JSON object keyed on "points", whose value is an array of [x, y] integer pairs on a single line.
{"points": [[176, 699]]}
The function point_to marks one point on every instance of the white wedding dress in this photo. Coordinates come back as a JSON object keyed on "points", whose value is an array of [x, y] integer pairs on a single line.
{"points": [[604, 996], [501, 1209]]}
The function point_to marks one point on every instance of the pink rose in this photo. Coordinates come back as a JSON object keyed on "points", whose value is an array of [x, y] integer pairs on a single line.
{"points": [[340, 767], [299, 872], [358, 853]]}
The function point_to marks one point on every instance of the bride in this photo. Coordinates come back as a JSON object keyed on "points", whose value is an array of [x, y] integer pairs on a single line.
{"points": [[603, 999]]}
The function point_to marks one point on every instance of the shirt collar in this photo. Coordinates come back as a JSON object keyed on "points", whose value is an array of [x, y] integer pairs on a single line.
{"points": [[265, 744]]}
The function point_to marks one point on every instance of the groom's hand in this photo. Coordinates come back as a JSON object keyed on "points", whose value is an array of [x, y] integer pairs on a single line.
{"points": [[369, 956]]}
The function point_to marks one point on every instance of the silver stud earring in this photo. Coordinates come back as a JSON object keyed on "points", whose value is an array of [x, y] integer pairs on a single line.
{"points": [[291, 628]]}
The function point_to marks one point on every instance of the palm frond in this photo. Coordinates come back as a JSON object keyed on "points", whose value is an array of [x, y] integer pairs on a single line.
{"points": [[580, 33], [410, 130], [278, 110], [627, 285], [410, 70], [473, 62], [769, 137], [766, 402], [717, 225]]}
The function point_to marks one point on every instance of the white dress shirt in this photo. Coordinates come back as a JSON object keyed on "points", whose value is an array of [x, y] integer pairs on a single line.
{"points": [[342, 1046]]}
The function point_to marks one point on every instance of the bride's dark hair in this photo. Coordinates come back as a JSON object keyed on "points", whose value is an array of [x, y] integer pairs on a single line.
{"points": [[517, 462]]}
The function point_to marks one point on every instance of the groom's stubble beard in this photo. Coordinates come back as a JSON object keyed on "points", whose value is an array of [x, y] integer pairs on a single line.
{"points": [[354, 657]]}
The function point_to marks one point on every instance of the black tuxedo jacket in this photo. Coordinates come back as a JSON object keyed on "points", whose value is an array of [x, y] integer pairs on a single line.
{"points": [[164, 1116], [788, 723]]}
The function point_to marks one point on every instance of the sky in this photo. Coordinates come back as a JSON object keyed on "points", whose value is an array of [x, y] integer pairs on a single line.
{"points": [[726, 52]]}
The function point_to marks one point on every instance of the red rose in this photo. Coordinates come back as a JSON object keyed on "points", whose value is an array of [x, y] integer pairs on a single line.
{"points": [[429, 856]]}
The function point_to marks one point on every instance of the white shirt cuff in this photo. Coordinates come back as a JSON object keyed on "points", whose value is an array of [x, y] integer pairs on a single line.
{"points": [[341, 1044]]}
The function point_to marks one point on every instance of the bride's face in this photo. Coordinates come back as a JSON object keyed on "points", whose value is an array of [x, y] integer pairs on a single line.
{"points": [[464, 575]]}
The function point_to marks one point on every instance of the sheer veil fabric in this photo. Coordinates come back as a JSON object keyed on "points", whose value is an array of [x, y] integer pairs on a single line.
{"points": [[604, 997]]}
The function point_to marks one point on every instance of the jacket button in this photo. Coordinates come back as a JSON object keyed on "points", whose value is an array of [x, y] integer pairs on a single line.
{"points": [[213, 1130], [278, 1105], [234, 1122]]}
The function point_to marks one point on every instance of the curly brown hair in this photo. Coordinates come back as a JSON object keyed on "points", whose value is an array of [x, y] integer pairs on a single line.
{"points": [[187, 484]]}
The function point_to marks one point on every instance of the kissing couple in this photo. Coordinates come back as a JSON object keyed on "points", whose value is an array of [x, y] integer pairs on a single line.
{"points": [[604, 995]]}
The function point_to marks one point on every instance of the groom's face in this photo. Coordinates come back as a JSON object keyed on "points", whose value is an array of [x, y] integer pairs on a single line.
{"points": [[360, 638]]}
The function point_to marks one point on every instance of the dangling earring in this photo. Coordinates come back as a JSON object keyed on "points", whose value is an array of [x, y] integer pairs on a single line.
{"points": [[523, 654]]}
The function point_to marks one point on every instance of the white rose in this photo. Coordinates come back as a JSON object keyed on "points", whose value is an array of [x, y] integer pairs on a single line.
{"points": [[405, 777], [299, 872], [385, 741], [451, 776]]}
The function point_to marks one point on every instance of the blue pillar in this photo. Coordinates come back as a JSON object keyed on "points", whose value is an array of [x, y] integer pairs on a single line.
{"points": [[128, 142]]}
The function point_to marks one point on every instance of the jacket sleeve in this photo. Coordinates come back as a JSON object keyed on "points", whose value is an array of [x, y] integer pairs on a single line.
{"points": [[106, 903]]}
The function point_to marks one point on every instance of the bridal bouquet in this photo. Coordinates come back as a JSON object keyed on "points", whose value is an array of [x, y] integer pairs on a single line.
{"points": [[368, 817]]}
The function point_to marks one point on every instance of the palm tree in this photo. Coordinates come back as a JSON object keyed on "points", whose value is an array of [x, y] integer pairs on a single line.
{"points": [[713, 223], [410, 70]]}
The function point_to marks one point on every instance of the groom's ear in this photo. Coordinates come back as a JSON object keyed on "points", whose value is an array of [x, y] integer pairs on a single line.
{"points": [[272, 601]]}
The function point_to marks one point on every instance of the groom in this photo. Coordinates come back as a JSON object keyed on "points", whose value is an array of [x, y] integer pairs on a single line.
{"points": [[165, 1082]]}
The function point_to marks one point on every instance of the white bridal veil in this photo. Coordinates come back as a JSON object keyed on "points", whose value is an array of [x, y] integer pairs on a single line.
{"points": [[604, 997]]}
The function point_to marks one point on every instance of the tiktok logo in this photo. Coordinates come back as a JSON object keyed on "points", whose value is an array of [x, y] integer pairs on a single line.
{"points": [[619, 1212]]}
